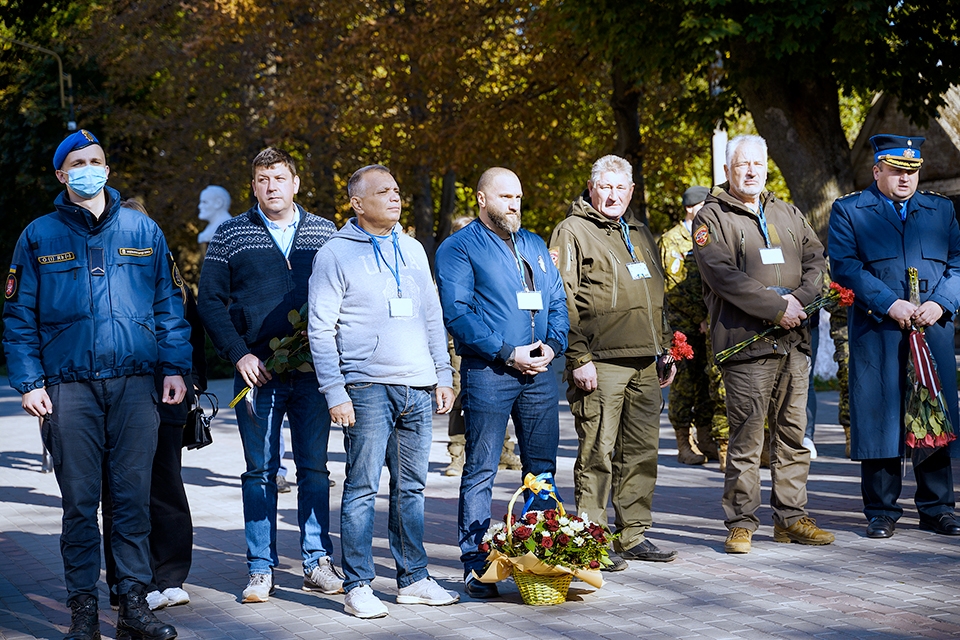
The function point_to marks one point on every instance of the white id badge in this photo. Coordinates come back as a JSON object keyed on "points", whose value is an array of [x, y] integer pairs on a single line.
{"points": [[529, 300], [401, 307], [638, 270], [773, 255]]}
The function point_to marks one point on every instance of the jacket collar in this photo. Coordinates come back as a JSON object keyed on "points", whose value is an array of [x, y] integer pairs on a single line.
{"points": [[81, 219], [582, 208], [721, 194]]}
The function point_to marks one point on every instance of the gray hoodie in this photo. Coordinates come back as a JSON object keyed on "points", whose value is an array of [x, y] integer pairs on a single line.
{"points": [[353, 337]]}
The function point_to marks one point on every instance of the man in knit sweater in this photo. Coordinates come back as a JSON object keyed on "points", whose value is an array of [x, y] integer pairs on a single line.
{"points": [[380, 352], [255, 272]]}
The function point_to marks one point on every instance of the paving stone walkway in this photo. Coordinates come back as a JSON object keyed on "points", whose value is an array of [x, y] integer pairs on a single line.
{"points": [[904, 587]]}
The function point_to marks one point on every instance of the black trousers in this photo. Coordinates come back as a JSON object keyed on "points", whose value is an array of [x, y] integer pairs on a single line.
{"points": [[171, 532], [881, 483]]}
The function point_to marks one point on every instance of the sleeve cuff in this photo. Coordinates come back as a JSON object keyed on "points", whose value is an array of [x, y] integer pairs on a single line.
{"points": [[336, 396], [556, 346], [30, 386], [505, 351], [237, 351]]}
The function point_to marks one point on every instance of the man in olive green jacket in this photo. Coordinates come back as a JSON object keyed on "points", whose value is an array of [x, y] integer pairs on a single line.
{"points": [[761, 263], [618, 332]]}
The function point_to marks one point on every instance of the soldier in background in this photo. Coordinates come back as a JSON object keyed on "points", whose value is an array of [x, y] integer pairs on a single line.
{"points": [[841, 354], [690, 403]]}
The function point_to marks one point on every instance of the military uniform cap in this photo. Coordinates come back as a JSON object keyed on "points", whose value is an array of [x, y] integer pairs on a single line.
{"points": [[695, 195], [901, 152], [76, 140]]}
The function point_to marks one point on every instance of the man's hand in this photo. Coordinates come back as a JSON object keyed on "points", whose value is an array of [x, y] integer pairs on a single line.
{"points": [[902, 312], [704, 325], [37, 403], [174, 390], [532, 365], [585, 377], [927, 314], [671, 374], [253, 371], [343, 414], [445, 399], [794, 314]]}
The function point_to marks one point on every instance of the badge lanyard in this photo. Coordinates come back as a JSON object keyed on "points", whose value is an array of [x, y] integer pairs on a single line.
{"points": [[625, 232], [519, 259], [637, 269], [397, 255], [763, 225]]}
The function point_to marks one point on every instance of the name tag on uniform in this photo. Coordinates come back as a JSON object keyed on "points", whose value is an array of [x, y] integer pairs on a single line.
{"points": [[401, 307], [773, 255], [638, 270], [529, 300]]}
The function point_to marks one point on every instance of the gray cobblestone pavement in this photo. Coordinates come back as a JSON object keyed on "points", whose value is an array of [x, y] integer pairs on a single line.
{"points": [[903, 587]]}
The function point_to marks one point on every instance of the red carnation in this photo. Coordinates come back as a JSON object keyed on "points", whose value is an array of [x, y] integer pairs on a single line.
{"points": [[681, 349], [928, 441], [911, 440], [547, 542], [846, 295]]}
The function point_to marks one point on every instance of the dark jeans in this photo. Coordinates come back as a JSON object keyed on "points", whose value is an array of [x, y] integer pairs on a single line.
{"points": [[171, 527], [491, 394], [118, 415]]}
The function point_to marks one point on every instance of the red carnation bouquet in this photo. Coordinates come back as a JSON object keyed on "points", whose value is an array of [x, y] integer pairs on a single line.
{"points": [[836, 296]]}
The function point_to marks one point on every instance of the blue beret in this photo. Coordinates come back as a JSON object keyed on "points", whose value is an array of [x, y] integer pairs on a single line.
{"points": [[897, 151], [72, 142]]}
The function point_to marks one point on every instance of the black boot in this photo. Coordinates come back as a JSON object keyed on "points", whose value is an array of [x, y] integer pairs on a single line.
{"points": [[137, 622], [84, 620]]}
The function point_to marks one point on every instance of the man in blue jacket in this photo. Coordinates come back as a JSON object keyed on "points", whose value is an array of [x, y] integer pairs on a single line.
{"points": [[503, 303], [875, 236], [93, 308]]}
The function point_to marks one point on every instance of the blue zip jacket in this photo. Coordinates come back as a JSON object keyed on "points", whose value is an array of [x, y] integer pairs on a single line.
{"points": [[478, 279], [92, 301]]}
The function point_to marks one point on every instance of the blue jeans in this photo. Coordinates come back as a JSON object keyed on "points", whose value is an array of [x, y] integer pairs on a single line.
{"points": [[118, 415], [394, 425], [296, 397], [490, 395]]}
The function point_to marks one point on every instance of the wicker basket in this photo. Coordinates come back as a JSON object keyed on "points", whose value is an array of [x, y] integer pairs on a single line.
{"points": [[542, 590]]}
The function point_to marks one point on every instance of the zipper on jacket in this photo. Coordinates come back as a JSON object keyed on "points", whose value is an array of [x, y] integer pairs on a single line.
{"points": [[743, 249], [616, 279]]}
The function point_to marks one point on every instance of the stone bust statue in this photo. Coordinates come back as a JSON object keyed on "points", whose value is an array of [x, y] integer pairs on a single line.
{"points": [[214, 209]]}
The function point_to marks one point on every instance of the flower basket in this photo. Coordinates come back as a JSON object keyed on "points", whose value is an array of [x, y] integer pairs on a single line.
{"points": [[538, 589], [544, 550]]}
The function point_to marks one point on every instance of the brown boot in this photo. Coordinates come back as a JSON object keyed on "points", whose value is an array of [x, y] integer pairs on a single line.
{"points": [[846, 435], [722, 454], [508, 457], [686, 454], [706, 443], [765, 453], [455, 449]]}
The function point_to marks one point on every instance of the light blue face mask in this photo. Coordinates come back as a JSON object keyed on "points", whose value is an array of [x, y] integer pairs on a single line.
{"points": [[87, 181]]}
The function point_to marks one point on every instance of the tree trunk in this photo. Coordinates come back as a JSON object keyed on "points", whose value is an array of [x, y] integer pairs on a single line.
{"points": [[423, 215], [800, 121], [625, 103]]}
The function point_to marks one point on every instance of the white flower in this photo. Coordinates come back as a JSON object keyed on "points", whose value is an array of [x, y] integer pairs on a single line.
{"points": [[563, 520], [578, 541], [567, 530], [577, 526]]}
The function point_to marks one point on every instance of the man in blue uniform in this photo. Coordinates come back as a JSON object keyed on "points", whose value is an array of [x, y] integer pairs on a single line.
{"points": [[504, 304], [875, 236], [93, 308]]}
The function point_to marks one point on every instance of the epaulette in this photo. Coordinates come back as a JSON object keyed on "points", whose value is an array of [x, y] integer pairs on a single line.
{"points": [[934, 193], [852, 193]]}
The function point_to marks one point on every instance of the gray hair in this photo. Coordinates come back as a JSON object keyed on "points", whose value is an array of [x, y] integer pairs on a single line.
{"points": [[354, 182], [739, 141], [610, 164]]}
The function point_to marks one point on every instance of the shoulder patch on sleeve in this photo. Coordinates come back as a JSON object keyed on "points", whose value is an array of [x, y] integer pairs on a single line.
{"points": [[555, 256], [12, 289], [175, 275], [701, 236]]}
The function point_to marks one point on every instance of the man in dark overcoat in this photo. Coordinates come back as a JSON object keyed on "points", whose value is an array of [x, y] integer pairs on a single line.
{"points": [[875, 236]]}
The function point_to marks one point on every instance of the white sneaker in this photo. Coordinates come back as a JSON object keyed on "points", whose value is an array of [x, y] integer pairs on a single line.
{"points": [[426, 591], [363, 603], [324, 578], [176, 596], [156, 600], [808, 444], [259, 588]]}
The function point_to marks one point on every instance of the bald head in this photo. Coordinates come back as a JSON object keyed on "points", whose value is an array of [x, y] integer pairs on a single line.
{"points": [[498, 195]]}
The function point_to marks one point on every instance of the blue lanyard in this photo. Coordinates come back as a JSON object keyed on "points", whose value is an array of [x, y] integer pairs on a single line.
{"points": [[519, 259], [378, 254], [625, 232], [763, 225]]}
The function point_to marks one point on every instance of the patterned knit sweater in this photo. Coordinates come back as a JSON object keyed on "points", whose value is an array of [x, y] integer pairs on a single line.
{"points": [[247, 286]]}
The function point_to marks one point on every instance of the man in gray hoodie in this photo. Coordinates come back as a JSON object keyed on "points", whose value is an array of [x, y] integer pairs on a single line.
{"points": [[380, 352]]}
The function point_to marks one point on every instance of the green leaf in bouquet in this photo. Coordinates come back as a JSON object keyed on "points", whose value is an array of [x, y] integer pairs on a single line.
{"points": [[306, 367], [270, 363], [920, 431], [281, 356], [293, 317], [274, 343]]}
